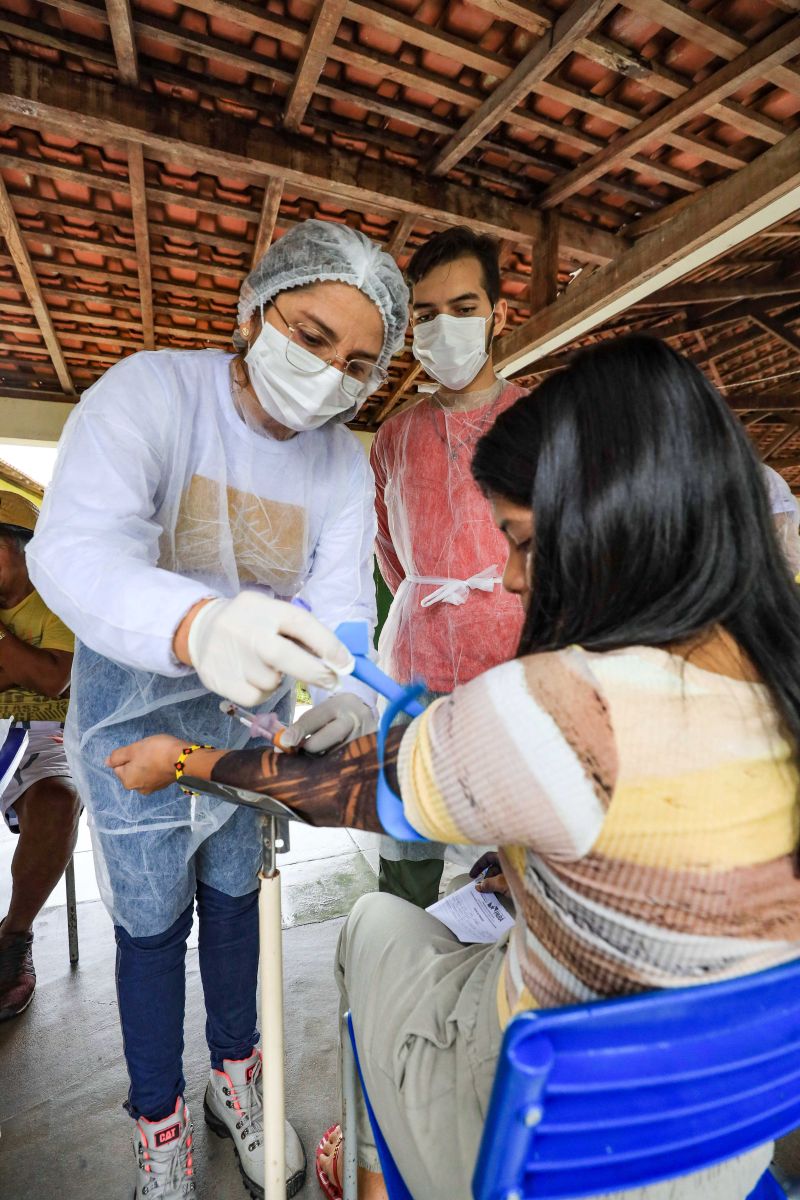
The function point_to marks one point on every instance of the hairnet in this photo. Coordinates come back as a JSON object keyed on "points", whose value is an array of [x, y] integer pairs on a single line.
{"points": [[319, 251]]}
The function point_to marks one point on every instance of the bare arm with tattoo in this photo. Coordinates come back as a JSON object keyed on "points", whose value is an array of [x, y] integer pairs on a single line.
{"points": [[339, 788]]}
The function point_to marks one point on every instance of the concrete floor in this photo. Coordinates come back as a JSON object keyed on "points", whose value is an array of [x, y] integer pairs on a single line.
{"points": [[65, 1135], [62, 1075]]}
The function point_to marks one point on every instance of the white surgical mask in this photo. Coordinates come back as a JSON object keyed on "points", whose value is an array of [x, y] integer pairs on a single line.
{"points": [[297, 399], [452, 349]]}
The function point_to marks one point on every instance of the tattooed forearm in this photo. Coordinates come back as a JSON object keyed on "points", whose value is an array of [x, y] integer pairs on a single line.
{"points": [[332, 789]]}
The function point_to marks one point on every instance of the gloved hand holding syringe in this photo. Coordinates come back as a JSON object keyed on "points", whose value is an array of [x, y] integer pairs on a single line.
{"points": [[339, 719]]}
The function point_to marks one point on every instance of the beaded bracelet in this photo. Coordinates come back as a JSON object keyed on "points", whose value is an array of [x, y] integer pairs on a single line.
{"points": [[180, 765]]}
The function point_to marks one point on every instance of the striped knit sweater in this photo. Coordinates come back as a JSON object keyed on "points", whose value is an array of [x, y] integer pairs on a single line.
{"points": [[646, 814]]}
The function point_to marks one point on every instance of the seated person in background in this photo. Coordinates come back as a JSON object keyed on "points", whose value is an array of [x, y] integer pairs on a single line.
{"points": [[636, 763], [786, 517], [39, 803]]}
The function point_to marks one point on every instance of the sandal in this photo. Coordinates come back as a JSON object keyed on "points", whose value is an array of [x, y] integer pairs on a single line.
{"points": [[331, 1188]]}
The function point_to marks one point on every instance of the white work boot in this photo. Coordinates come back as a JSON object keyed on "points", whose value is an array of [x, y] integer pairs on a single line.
{"points": [[163, 1152], [233, 1109]]}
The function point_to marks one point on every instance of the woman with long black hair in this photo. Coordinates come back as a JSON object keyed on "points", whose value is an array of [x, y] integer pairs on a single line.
{"points": [[636, 763]]}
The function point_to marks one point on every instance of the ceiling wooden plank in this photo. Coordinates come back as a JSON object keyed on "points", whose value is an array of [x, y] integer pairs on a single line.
{"points": [[324, 28], [580, 19], [123, 40], [744, 204], [141, 234], [97, 111], [269, 217], [780, 46], [745, 287], [534, 17], [776, 328], [10, 230], [745, 400], [616, 57], [704, 30]]}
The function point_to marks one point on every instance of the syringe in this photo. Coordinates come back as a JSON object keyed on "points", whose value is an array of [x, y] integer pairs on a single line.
{"points": [[261, 725]]}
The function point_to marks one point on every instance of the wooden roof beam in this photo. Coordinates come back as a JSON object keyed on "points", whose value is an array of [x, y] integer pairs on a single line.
{"points": [[98, 111], [754, 63], [616, 57], [776, 328], [744, 204], [398, 392], [10, 230], [745, 287], [123, 40], [270, 208], [782, 399], [580, 19], [704, 30], [324, 28], [400, 235]]}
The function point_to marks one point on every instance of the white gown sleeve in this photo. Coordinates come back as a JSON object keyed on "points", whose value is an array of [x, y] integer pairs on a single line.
{"points": [[93, 557]]}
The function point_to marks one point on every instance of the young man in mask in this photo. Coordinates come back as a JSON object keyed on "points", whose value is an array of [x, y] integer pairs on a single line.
{"points": [[437, 546]]}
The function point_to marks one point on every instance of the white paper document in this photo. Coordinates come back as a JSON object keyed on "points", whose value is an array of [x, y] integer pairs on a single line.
{"points": [[472, 916]]}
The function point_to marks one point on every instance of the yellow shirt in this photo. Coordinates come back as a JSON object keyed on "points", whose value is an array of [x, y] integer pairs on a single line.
{"points": [[33, 622]]}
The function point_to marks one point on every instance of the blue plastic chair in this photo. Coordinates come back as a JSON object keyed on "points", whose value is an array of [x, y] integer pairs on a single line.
{"points": [[602, 1097]]}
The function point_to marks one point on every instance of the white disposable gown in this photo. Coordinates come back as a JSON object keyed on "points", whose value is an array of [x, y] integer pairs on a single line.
{"points": [[162, 496]]}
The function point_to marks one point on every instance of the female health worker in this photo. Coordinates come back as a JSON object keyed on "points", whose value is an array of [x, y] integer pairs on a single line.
{"points": [[195, 494]]}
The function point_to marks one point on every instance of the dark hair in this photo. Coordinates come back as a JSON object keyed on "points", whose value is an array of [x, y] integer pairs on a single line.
{"points": [[651, 520], [17, 535], [452, 244]]}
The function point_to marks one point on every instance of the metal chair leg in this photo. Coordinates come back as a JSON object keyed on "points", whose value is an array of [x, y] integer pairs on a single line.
{"points": [[72, 912], [349, 1124]]}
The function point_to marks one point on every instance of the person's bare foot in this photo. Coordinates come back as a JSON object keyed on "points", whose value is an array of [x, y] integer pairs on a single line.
{"points": [[331, 1161]]}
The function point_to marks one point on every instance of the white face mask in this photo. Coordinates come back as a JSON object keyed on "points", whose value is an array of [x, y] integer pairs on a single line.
{"points": [[452, 349], [298, 399]]}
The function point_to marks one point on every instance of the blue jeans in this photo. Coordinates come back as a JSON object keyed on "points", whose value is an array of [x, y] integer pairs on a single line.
{"points": [[151, 992]]}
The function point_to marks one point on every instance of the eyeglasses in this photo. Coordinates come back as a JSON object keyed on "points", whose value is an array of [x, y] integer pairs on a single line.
{"points": [[310, 351]]}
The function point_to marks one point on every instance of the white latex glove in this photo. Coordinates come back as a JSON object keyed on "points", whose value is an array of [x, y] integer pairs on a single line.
{"points": [[242, 647], [331, 724]]}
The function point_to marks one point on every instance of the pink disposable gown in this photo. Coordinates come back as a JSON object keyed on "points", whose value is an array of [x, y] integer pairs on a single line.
{"points": [[435, 525]]}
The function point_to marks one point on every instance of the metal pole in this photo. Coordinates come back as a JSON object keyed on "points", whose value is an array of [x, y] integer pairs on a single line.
{"points": [[349, 1134], [271, 956]]}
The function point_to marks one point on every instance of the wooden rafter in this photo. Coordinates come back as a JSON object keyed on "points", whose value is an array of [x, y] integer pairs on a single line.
{"points": [[10, 230], [324, 28], [544, 265], [123, 40], [773, 283], [270, 208], [400, 235], [776, 328], [779, 47], [100, 112], [745, 203], [576, 22], [779, 400], [142, 238], [704, 30], [397, 393], [780, 441]]}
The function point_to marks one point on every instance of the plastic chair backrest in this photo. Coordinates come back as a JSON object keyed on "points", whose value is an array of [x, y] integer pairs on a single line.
{"points": [[602, 1097]]}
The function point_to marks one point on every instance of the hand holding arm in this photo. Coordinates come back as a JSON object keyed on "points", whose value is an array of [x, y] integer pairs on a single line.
{"points": [[339, 788]]}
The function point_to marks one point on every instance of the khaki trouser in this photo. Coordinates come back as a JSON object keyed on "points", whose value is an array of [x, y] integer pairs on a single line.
{"points": [[425, 1014]]}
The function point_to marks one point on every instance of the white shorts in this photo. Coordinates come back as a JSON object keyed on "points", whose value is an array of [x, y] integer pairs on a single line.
{"points": [[44, 759]]}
